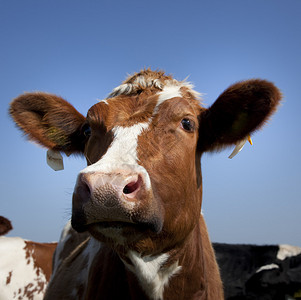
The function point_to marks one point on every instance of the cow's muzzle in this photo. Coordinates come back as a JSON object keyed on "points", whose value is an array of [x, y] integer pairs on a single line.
{"points": [[121, 200]]}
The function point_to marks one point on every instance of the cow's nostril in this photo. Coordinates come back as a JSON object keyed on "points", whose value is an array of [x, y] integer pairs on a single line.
{"points": [[132, 186]]}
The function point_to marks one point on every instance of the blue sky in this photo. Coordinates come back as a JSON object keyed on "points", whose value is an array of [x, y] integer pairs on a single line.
{"points": [[81, 50]]}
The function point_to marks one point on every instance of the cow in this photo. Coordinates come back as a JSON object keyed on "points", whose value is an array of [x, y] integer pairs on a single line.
{"points": [[140, 196], [271, 272], [25, 267]]}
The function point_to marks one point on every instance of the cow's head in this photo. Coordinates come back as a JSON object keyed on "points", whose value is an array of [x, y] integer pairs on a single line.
{"points": [[143, 146]]}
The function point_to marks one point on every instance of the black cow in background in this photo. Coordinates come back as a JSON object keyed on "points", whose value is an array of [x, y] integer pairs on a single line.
{"points": [[260, 272]]}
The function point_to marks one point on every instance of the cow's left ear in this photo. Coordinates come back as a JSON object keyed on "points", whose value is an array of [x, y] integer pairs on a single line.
{"points": [[49, 120], [239, 111]]}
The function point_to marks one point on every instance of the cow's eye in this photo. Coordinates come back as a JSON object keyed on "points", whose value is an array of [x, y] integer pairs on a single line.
{"points": [[86, 130], [187, 125]]}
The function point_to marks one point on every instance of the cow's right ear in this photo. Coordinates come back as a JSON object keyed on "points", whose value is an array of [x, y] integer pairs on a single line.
{"points": [[49, 120], [240, 110]]}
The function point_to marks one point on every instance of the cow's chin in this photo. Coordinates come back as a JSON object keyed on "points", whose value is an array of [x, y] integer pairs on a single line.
{"points": [[122, 234]]}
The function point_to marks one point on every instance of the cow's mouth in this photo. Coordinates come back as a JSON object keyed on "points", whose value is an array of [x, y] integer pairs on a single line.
{"points": [[113, 225], [124, 226]]}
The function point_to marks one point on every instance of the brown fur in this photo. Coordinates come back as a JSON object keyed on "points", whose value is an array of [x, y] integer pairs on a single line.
{"points": [[5, 225], [42, 256], [48, 120], [171, 156], [240, 110]]}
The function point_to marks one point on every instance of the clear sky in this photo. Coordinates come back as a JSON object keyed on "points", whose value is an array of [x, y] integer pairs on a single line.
{"points": [[81, 50]]}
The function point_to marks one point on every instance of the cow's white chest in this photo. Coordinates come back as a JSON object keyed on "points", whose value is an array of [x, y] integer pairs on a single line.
{"points": [[150, 273], [19, 277]]}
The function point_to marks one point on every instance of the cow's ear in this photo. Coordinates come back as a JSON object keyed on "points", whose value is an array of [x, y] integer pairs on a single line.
{"points": [[239, 111], [49, 120]]}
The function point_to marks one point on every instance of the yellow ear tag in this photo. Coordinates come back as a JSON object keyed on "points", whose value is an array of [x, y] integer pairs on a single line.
{"points": [[250, 140], [240, 145], [55, 160]]}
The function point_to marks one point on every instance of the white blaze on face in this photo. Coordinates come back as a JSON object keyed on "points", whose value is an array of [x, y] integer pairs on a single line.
{"points": [[122, 153], [18, 275], [168, 92]]}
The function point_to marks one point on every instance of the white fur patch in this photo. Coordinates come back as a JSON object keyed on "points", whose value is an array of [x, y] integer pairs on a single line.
{"points": [[172, 89], [150, 273], [190, 87], [122, 152], [286, 251], [19, 277], [267, 267], [141, 82], [168, 92], [105, 101]]}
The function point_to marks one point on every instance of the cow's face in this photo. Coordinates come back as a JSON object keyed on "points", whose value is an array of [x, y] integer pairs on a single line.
{"points": [[141, 181], [142, 186]]}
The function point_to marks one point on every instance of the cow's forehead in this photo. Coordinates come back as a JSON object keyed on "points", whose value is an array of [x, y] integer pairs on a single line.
{"points": [[139, 98]]}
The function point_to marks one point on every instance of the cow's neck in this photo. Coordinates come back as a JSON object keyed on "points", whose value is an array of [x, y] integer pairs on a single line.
{"points": [[179, 272], [187, 272]]}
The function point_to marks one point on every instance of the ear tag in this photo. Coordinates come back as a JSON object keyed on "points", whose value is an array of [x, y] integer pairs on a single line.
{"points": [[55, 160], [240, 145]]}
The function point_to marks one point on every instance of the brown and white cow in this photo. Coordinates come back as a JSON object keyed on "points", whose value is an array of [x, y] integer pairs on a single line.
{"points": [[140, 196], [25, 266]]}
